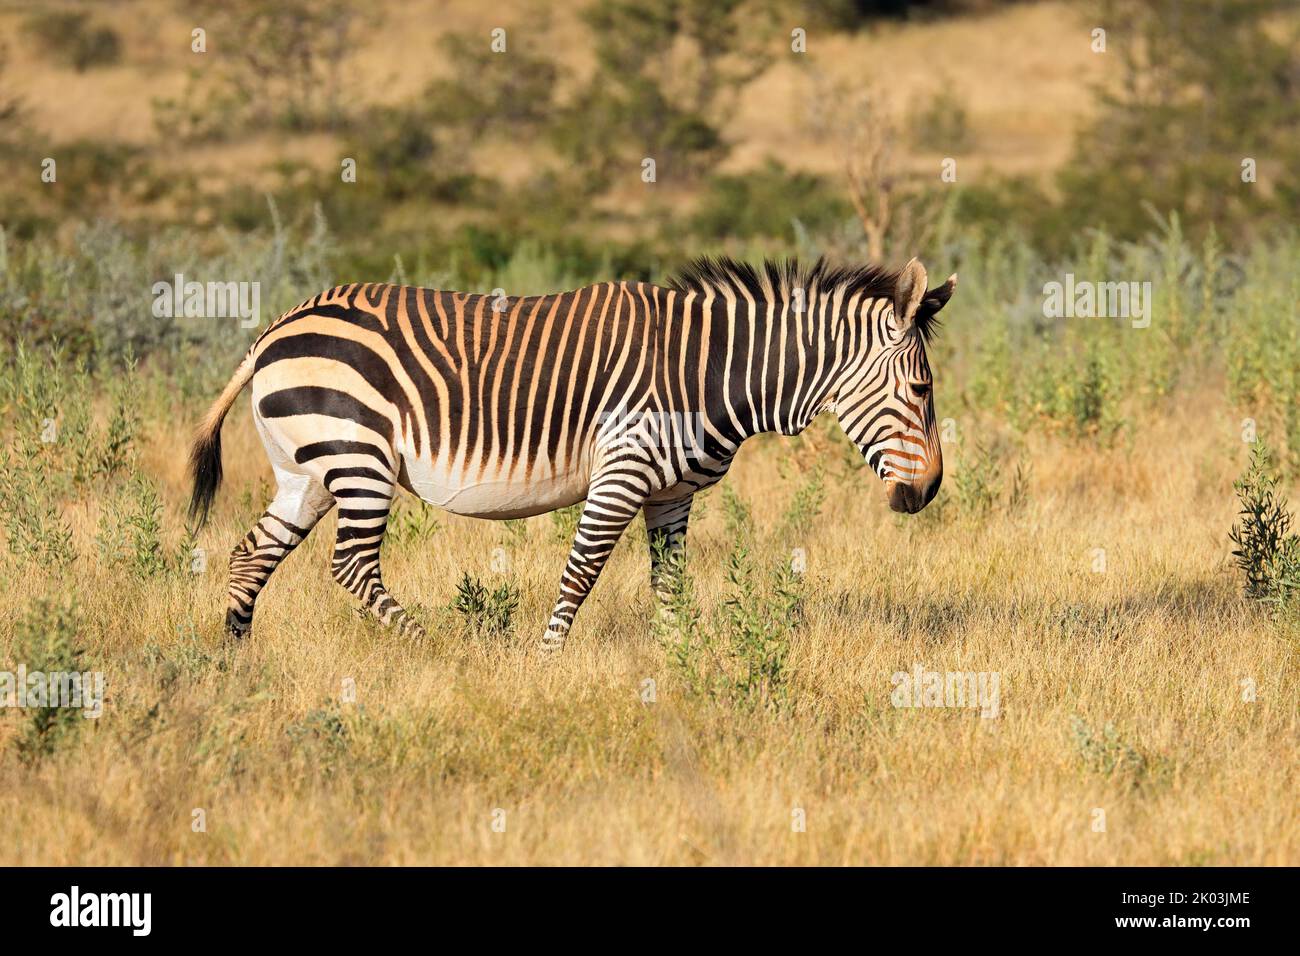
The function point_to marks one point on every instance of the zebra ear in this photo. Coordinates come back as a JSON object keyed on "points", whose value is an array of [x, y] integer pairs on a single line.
{"points": [[909, 292], [937, 297]]}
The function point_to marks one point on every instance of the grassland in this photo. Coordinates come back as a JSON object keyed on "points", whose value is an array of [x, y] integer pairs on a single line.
{"points": [[1149, 711], [1122, 689]]}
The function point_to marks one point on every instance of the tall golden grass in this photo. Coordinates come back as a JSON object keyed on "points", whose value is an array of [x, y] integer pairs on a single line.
{"points": [[446, 739]]}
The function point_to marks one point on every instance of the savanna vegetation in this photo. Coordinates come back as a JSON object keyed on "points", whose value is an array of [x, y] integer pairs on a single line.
{"points": [[1114, 536]]}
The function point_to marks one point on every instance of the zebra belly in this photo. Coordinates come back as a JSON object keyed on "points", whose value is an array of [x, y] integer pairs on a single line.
{"points": [[497, 496]]}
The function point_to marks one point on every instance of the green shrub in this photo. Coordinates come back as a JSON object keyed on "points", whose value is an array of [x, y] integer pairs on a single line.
{"points": [[486, 612], [130, 531], [805, 504], [114, 449], [1199, 80], [72, 37], [1267, 551], [411, 521], [564, 522], [939, 124], [978, 482], [736, 514], [34, 527], [512, 91], [48, 640], [1079, 397], [1103, 751], [1091, 409], [740, 658], [767, 202]]}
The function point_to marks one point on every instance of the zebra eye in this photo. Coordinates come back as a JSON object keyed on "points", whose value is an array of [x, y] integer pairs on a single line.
{"points": [[921, 389]]}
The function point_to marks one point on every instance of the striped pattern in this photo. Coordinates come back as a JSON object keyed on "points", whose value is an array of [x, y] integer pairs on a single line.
{"points": [[630, 397]]}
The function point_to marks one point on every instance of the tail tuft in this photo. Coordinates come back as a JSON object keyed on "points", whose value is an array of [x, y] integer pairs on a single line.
{"points": [[205, 472], [205, 453]]}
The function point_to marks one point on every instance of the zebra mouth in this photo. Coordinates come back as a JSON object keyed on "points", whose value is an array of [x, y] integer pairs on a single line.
{"points": [[906, 499]]}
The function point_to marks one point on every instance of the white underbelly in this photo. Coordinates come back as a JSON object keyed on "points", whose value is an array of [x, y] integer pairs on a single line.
{"points": [[489, 495]]}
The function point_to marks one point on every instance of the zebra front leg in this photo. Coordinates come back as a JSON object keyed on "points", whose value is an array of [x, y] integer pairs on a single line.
{"points": [[364, 503], [610, 507], [665, 525]]}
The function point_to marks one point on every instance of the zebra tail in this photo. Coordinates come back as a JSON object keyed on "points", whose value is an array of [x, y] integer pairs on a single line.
{"points": [[205, 452]]}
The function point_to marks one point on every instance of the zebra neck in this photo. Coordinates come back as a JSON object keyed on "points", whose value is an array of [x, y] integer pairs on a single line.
{"points": [[773, 367]]}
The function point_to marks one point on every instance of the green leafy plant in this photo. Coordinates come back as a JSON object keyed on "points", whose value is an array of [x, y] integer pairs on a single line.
{"points": [[740, 657], [486, 611], [48, 640], [806, 504], [979, 481], [564, 522], [736, 514], [34, 527], [1103, 751], [130, 531], [1267, 551], [411, 523], [114, 451]]}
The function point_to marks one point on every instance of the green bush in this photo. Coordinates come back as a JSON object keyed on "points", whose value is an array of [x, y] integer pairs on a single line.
{"points": [[73, 38], [487, 612], [1197, 82], [130, 534], [740, 658], [805, 505], [35, 530], [48, 640], [411, 521], [939, 123], [978, 482], [1267, 551], [767, 202], [511, 93], [564, 522]]}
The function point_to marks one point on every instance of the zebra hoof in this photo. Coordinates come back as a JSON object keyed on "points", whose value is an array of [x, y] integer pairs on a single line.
{"points": [[551, 644], [237, 628]]}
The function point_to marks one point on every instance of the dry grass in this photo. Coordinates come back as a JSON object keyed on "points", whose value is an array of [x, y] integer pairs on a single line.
{"points": [[444, 734]]}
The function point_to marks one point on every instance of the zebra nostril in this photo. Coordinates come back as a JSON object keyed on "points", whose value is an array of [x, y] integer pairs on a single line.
{"points": [[900, 498]]}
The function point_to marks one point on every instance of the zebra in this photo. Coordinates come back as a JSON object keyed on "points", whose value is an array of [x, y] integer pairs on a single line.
{"points": [[624, 395]]}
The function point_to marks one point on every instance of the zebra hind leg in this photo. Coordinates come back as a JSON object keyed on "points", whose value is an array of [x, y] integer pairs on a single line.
{"points": [[299, 503], [364, 506]]}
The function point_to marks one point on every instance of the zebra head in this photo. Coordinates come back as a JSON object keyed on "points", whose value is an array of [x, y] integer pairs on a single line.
{"points": [[885, 402]]}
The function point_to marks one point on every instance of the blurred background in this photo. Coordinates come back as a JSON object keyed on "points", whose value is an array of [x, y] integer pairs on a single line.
{"points": [[535, 147]]}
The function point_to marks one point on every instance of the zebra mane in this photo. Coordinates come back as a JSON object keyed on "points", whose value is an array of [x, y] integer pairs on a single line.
{"points": [[775, 280]]}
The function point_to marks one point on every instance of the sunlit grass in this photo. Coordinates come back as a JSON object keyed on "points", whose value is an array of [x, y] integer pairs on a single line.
{"points": [[265, 738]]}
